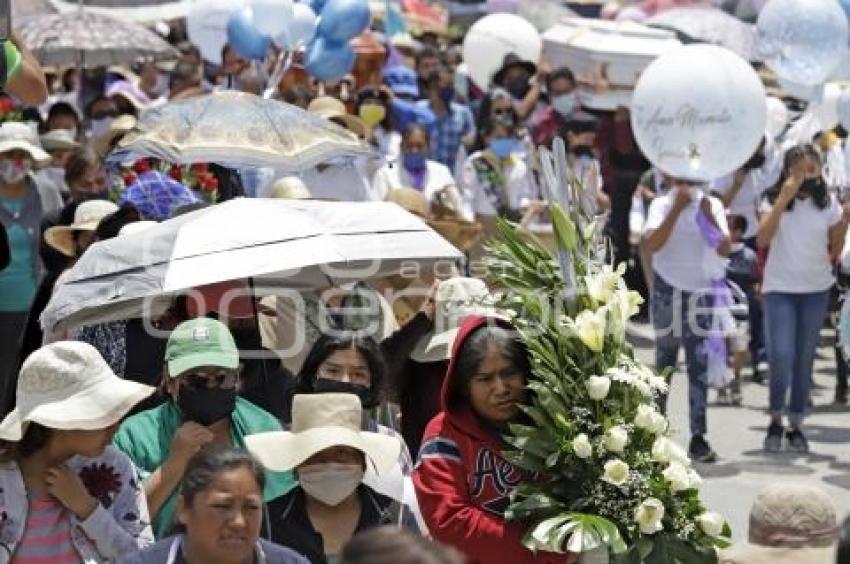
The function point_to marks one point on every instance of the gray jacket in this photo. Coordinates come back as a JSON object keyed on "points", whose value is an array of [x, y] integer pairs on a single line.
{"points": [[167, 550]]}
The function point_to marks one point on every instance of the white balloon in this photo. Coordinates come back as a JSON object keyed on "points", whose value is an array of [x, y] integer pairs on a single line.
{"points": [[802, 40], [206, 24], [272, 17], [494, 36], [843, 109], [699, 112], [777, 116], [302, 28], [826, 109]]}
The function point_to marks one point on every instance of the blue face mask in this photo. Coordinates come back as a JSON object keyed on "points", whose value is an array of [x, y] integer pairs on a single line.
{"points": [[502, 147], [413, 161]]}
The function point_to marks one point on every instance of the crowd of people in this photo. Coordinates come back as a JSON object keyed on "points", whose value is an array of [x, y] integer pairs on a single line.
{"points": [[127, 445]]}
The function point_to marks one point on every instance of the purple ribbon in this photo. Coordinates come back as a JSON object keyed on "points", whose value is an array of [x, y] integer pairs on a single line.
{"points": [[720, 295]]}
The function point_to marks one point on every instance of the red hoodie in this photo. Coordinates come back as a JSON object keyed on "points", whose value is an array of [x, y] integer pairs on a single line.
{"points": [[463, 484]]}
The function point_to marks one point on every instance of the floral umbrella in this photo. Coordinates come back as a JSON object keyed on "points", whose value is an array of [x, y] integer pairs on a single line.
{"points": [[238, 130], [90, 40]]}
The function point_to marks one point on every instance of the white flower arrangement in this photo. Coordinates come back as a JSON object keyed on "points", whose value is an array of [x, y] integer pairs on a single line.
{"points": [[610, 475]]}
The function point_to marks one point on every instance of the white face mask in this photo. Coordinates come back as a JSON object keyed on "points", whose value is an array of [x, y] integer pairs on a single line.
{"points": [[330, 483], [12, 172], [100, 126], [564, 104]]}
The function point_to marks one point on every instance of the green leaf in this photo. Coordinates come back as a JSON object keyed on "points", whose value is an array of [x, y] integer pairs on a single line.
{"points": [[565, 230]]}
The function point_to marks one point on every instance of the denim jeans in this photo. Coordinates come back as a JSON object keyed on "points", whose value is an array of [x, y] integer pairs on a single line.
{"points": [[792, 329], [682, 318]]}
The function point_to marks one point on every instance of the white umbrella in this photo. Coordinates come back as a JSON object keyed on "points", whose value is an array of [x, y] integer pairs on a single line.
{"points": [[292, 244], [140, 11]]}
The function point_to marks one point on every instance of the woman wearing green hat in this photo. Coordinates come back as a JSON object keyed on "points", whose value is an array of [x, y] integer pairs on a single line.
{"points": [[201, 378]]}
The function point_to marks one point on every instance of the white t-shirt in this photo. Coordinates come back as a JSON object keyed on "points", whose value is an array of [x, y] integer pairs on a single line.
{"points": [[437, 177], [520, 190], [746, 201], [798, 259], [685, 261]]}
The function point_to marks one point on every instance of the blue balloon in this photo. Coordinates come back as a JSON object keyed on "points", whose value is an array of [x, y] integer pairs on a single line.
{"points": [[327, 60], [317, 5], [342, 20], [244, 37]]}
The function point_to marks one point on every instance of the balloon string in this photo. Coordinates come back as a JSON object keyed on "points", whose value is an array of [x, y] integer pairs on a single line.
{"points": [[284, 61]]}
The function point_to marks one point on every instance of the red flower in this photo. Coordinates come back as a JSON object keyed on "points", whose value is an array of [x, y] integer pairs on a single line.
{"points": [[142, 166], [102, 482], [176, 173], [128, 178]]}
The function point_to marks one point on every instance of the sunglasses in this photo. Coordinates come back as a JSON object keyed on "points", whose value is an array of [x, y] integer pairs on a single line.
{"points": [[222, 380]]}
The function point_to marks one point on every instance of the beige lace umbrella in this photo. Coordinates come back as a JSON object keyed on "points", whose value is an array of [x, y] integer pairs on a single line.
{"points": [[90, 40], [238, 130]]}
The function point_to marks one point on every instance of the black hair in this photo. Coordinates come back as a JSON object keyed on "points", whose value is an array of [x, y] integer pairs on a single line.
{"points": [[62, 109], [210, 461], [391, 545], [416, 128], [738, 223], [111, 225], [562, 73], [842, 554], [489, 126], [486, 108], [581, 122], [474, 349], [339, 341], [35, 438], [97, 99], [819, 196], [80, 161], [298, 95]]}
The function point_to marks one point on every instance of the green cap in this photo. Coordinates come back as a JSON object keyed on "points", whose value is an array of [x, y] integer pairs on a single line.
{"points": [[200, 342]]}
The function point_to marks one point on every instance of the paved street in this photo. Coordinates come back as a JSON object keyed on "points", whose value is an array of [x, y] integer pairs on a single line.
{"points": [[736, 434]]}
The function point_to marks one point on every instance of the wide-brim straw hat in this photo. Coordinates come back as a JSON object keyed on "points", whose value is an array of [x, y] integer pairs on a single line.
{"points": [[119, 127], [58, 140], [17, 135], [455, 300], [790, 523], [87, 217], [410, 199], [462, 234], [332, 109], [320, 422], [67, 385]]}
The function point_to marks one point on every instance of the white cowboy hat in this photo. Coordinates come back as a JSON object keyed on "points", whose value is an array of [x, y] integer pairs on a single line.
{"points": [[87, 216], [67, 385], [17, 135], [290, 188], [58, 140], [790, 523], [456, 299], [319, 422]]}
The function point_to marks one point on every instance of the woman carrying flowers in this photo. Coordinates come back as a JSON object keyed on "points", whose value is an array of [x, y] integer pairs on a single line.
{"points": [[462, 481]]}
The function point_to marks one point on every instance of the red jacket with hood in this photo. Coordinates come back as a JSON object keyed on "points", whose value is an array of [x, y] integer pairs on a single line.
{"points": [[463, 484]]}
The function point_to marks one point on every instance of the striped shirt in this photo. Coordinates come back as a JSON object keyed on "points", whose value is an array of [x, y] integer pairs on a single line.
{"points": [[47, 536]]}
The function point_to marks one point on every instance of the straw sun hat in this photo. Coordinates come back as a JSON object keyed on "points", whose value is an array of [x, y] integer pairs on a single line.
{"points": [[67, 385], [790, 523], [87, 216], [319, 422]]}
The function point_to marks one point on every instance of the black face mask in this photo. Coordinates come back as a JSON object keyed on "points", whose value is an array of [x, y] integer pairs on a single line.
{"points": [[583, 151], [326, 386], [247, 339], [756, 161], [205, 406], [811, 185], [518, 88]]}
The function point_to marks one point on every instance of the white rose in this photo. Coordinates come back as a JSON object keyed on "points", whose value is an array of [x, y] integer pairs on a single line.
{"points": [[598, 387], [643, 418], [616, 472], [711, 523], [677, 476], [590, 327], [602, 285], [649, 515], [616, 439], [581, 446], [664, 450], [695, 479], [658, 425]]}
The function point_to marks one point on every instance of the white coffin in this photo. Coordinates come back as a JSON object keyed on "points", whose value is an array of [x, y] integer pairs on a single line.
{"points": [[619, 50]]}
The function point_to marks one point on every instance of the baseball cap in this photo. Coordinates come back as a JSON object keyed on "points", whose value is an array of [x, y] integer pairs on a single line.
{"points": [[200, 342]]}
